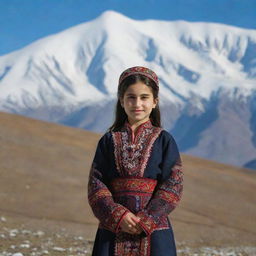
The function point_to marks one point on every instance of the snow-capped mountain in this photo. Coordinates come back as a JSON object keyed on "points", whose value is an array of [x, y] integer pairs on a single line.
{"points": [[207, 80]]}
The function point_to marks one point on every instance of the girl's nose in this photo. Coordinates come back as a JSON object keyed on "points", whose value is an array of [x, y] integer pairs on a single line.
{"points": [[137, 102]]}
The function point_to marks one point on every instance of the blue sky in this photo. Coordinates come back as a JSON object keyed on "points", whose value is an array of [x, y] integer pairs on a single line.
{"points": [[24, 21]]}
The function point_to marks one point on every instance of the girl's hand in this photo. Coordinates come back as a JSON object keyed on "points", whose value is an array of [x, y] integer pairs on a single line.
{"points": [[130, 224]]}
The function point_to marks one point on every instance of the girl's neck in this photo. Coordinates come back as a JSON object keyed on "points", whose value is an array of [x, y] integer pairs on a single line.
{"points": [[134, 125]]}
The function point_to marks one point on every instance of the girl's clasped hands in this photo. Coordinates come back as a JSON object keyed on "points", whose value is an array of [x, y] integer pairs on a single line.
{"points": [[130, 224]]}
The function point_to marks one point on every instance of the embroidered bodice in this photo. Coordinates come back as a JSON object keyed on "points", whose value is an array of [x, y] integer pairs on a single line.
{"points": [[133, 150]]}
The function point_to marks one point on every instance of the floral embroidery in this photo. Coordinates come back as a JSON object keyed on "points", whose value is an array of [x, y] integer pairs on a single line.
{"points": [[165, 200], [131, 158], [139, 70], [124, 185], [101, 201], [132, 245], [135, 193]]}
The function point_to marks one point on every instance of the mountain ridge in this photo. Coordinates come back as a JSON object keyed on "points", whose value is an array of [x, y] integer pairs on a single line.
{"points": [[71, 78]]}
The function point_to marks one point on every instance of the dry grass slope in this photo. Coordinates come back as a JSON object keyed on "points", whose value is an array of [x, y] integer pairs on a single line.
{"points": [[44, 171]]}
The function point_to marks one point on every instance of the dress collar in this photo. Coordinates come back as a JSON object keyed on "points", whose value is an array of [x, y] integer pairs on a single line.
{"points": [[147, 124]]}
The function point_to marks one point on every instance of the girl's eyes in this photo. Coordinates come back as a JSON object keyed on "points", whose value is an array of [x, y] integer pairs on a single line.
{"points": [[132, 97]]}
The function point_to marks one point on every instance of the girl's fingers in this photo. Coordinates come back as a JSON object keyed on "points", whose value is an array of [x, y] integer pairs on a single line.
{"points": [[135, 219], [129, 223], [133, 231], [132, 222], [136, 230]]}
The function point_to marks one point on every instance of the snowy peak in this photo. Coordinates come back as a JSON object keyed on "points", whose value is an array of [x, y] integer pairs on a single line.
{"points": [[111, 16], [82, 64], [234, 46]]}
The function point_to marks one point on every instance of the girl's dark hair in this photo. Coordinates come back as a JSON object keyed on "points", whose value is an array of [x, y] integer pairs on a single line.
{"points": [[120, 115]]}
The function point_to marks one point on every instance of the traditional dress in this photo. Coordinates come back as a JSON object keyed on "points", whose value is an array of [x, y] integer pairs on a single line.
{"points": [[142, 174]]}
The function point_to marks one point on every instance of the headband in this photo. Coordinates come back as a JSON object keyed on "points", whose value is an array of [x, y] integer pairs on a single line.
{"points": [[139, 70]]}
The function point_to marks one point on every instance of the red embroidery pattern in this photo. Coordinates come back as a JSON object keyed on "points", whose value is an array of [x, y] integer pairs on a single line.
{"points": [[131, 184], [131, 158], [165, 200], [101, 201], [139, 70], [132, 245], [114, 221], [171, 190], [134, 193]]}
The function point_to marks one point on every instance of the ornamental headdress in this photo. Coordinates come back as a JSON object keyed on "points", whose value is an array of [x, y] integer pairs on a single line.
{"points": [[139, 70]]}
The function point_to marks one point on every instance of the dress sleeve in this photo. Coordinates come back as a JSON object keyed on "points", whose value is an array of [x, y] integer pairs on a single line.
{"points": [[168, 191], [100, 198]]}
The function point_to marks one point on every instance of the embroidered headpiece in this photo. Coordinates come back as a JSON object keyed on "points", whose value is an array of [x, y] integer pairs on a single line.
{"points": [[139, 70]]}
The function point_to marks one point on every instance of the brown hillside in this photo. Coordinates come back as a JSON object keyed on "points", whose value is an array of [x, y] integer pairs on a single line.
{"points": [[44, 169]]}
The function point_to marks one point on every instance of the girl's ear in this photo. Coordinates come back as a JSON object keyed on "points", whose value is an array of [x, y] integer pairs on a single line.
{"points": [[156, 100], [121, 102]]}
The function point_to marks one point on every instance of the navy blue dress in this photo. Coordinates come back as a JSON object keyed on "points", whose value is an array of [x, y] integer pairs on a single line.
{"points": [[141, 173]]}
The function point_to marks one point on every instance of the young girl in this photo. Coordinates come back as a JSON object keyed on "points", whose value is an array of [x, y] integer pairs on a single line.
{"points": [[136, 176]]}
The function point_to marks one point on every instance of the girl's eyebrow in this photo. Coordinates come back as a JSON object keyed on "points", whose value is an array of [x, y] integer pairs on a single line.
{"points": [[143, 94]]}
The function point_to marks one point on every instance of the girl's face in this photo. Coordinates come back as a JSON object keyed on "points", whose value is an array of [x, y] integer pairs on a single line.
{"points": [[138, 102]]}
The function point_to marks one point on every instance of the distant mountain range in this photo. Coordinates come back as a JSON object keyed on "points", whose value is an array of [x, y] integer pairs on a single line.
{"points": [[207, 80]]}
